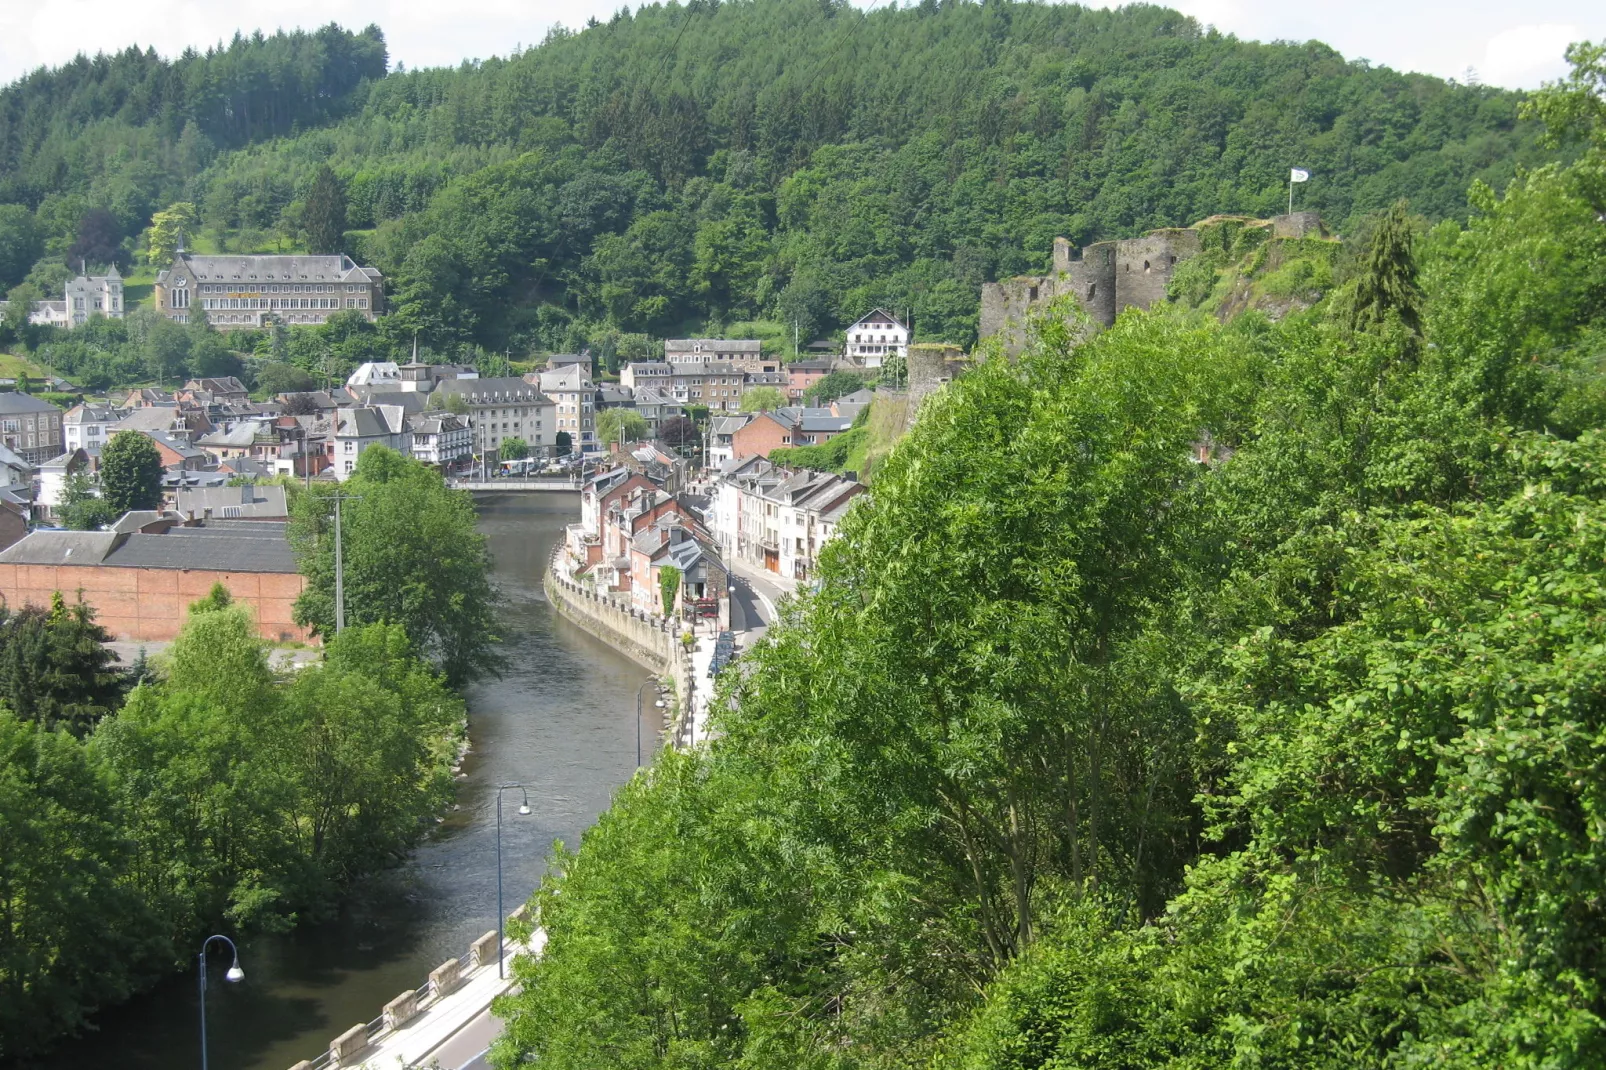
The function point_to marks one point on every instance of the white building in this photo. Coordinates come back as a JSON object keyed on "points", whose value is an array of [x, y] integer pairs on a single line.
{"points": [[441, 439], [94, 295], [574, 394], [376, 374], [776, 518], [876, 337], [360, 429], [87, 427], [503, 408]]}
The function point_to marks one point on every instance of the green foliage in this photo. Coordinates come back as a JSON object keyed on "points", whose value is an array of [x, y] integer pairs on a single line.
{"points": [[1386, 285], [1194, 694], [275, 378], [762, 399], [20, 244], [563, 443], [167, 229], [81, 509], [618, 424], [130, 473], [830, 456], [831, 386], [323, 215], [55, 669], [412, 558], [669, 587], [513, 449]]}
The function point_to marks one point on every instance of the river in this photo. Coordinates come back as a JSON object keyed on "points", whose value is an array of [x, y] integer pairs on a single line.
{"points": [[561, 720]]}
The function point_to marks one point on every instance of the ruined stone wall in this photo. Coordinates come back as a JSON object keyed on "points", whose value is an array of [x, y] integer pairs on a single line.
{"points": [[1143, 266], [1110, 276]]}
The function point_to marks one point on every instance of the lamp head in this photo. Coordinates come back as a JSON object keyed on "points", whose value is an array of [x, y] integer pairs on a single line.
{"points": [[235, 974], [659, 704], [524, 809]]}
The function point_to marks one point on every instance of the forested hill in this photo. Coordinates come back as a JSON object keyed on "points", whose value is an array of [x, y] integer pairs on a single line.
{"points": [[794, 159]]}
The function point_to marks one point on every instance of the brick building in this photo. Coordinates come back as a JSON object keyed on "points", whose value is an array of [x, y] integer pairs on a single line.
{"points": [[140, 585]]}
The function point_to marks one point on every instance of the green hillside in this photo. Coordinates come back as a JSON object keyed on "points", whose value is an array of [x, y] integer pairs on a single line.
{"points": [[682, 168]]}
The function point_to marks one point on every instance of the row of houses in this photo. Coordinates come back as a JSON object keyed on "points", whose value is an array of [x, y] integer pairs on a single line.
{"points": [[777, 518], [636, 521]]}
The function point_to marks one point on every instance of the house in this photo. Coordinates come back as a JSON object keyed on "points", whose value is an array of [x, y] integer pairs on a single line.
{"points": [[359, 429], [14, 471], [718, 387], [88, 426], [177, 453], [787, 427], [777, 518], [802, 374], [721, 436], [248, 501], [29, 427], [743, 354], [777, 381], [502, 408], [93, 295], [13, 521], [573, 393], [637, 374], [202, 391], [874, 338], [252, 292], [381, 374], [656, 407], [849, 406], [140, 583], [441, 439], [180, 421], [53, 477]]}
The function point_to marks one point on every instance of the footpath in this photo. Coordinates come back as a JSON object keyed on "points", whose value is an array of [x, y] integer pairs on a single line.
{"points": [[446, 1023]]}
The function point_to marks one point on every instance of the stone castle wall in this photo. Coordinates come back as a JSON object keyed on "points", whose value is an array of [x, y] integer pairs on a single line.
{"points": [[1109, 276]]}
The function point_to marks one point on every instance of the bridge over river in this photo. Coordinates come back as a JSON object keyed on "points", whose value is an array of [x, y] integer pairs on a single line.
{"points": [[560, 484]]}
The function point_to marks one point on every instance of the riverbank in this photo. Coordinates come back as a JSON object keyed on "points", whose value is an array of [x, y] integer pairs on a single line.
{"points": [[647, 639], [560, 720]]}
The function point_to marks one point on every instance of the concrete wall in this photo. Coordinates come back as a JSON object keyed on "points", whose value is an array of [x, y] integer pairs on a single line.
{"points": [[149, 604]]}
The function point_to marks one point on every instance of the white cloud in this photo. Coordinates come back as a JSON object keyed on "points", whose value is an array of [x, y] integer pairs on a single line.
{"points": [[1527, 55]]}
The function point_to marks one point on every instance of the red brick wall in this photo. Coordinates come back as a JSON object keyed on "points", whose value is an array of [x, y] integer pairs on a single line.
{"points": [[148, 603], [759, 437]]}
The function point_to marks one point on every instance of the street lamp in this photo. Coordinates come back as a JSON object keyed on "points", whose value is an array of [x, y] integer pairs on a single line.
{"points": [[234, 975], [659, 704], [524, 811]]}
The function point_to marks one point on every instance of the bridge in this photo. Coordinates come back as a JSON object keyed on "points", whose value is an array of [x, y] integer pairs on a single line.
{"points": [[511, 483]]}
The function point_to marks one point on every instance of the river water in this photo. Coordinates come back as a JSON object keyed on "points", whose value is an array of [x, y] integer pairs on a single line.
{"points": [[561, 720]]}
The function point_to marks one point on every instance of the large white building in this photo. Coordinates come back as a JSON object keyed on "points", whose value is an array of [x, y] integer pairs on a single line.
{"points": [[875, 338], [503, 408], [94, 295], [242, 292]]}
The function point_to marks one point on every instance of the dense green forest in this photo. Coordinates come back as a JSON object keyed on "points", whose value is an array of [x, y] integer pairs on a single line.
{"points": [[1187, 694], [682, 168]]}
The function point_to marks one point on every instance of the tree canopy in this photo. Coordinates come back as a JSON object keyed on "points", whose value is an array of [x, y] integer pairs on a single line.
{"points": [[1186, 693], [413, 558]]}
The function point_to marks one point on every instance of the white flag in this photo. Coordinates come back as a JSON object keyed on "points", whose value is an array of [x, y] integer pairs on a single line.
{"points": [[1298, 175]]}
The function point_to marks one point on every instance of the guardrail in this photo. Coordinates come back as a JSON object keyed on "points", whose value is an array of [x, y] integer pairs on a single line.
{"points": [[516, 483]]}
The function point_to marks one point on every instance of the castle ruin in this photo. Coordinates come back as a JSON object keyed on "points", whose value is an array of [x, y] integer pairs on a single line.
{"points": [[1110, 276]]}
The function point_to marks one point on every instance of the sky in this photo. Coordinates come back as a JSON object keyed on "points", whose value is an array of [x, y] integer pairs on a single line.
{"points": [[1516, 45]]}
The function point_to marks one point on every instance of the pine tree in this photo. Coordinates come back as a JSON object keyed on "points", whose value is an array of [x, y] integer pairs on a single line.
{"points": [[323, 219], [1387, 282]]}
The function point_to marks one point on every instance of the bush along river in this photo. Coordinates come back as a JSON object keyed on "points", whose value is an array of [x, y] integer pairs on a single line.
{"points": [[560, 720]]}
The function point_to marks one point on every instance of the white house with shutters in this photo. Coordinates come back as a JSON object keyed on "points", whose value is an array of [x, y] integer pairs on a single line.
{"points": [[876, 337]]}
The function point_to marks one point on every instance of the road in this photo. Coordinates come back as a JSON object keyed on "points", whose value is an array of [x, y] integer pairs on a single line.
{"points": [[753, 606]]}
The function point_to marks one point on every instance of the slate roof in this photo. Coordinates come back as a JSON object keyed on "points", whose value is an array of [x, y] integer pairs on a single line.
{"points": [[59, 548], [228, 503], [244, 546], [275, 268], [15, 403]]}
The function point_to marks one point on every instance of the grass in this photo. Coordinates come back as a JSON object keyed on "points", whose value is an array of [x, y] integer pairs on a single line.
{"points": [[14, 367]]}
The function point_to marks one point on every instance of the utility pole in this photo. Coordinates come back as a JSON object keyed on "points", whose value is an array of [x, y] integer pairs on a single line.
{"points": [[340, 565]]}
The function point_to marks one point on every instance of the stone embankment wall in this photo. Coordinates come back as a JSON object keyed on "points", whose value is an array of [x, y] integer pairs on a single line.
{"points": [[650, 640]]}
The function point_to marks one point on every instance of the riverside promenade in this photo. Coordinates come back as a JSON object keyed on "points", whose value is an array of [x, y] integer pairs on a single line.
{"points": [[446, 1023]]}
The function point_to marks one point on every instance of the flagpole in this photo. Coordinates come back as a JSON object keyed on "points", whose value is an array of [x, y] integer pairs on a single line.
{"points": [[1290, 193]]}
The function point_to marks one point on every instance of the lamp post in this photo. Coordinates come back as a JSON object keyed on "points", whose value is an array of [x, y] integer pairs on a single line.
{"points": [[657, 704], [234, 974], [524, 810]]}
